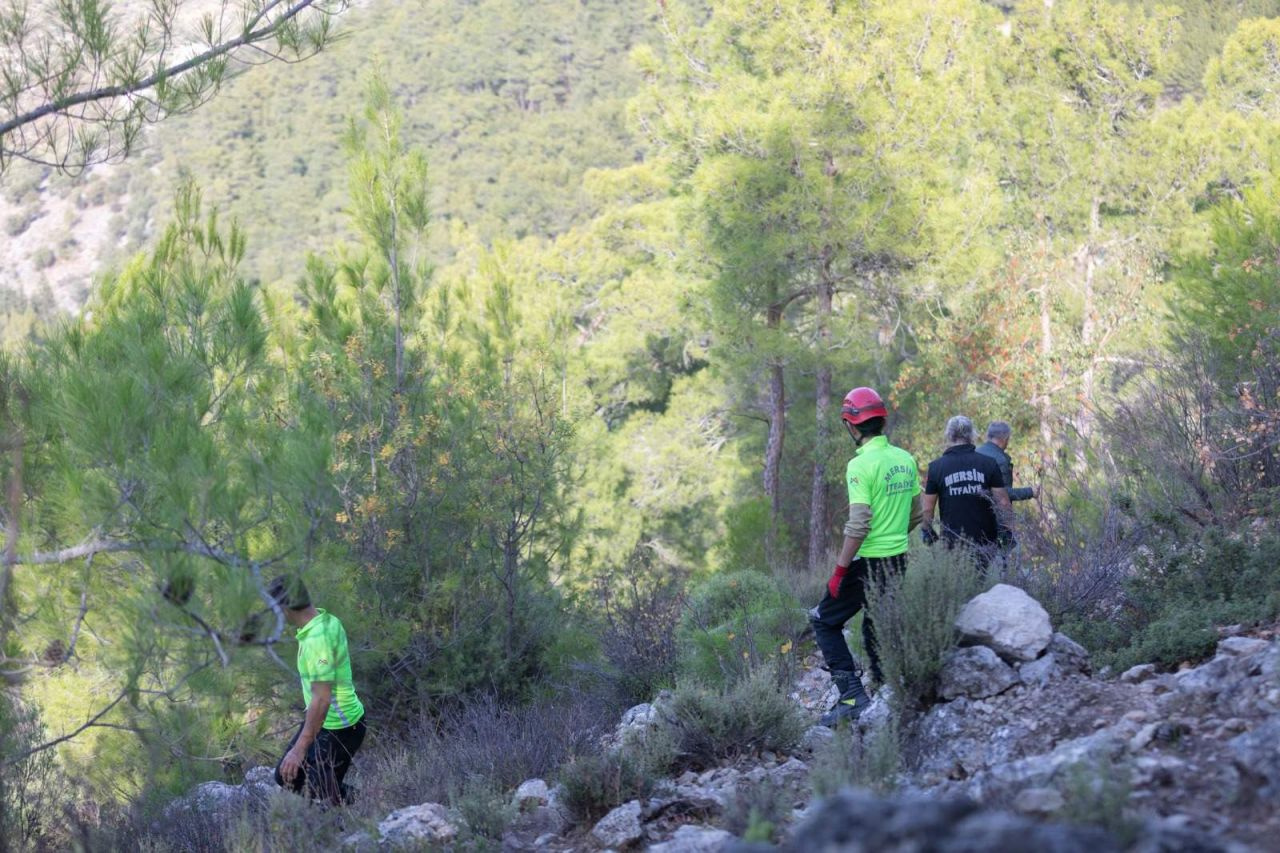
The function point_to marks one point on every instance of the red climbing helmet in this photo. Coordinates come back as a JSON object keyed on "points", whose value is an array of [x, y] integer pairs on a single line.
{"points": [[861, 405]]}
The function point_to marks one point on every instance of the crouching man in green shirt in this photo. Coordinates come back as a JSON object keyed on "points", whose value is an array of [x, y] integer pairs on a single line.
{"points": [[319, 755]]}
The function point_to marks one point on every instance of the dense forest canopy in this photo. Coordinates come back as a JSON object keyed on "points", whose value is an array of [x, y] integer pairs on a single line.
{"points": [[496, 319]]}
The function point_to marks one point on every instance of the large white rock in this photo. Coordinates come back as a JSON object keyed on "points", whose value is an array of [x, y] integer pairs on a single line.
{"points": [[428, 823], [1008, 621], [694, 839], [531, 794], [620, 827]]}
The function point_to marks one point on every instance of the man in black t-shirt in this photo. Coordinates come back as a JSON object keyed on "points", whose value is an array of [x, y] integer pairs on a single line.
{"points": [[969, 491]]}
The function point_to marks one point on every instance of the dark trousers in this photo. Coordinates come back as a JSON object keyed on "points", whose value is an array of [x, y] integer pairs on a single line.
{"points": [[326, 764], [831, 614]]}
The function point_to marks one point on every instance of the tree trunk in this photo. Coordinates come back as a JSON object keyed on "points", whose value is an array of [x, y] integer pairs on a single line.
{"points": [[1046, 350], [12, 529], [1088, 325], [773, 446], [822, 411]]}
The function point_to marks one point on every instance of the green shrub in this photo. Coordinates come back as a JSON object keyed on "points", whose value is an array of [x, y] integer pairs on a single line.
{"points": [[710, 724], [735, 623], [873, 761], [484, 806], [746, 527], [757, 813], [914, 614], [1096, 793], [1178, 596], [597, 782], [33, 789], [640, 607]]}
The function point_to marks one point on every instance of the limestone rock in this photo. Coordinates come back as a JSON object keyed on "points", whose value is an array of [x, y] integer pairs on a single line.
{"points": [[531, 794], [621, 827], [1008, 621], [1242, 646], [1070, 655], [694, 839], [531, 829], [976, 672], [428, 823], [858, 822], [1257, 758], [1039, 802], [640, 715], [816, 740], [1040, 671], [1138, 674]]}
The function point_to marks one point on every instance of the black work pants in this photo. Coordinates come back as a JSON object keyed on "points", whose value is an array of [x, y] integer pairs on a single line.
{"points": [[326, 764], [831, 614]]}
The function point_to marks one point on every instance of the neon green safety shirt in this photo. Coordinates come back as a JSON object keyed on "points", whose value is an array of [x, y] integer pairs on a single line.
{"points": [[887, 479], [323, 656]]}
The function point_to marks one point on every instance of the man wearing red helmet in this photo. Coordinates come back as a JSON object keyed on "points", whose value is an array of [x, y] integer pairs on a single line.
{"points": [[884, 507]]}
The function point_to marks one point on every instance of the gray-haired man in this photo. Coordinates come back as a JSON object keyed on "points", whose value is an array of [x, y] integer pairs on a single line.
{"points": [[998, 434], [968, 490]]}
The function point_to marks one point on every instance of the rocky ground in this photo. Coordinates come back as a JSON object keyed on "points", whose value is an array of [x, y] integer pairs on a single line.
{"points": [[1028, 749]]}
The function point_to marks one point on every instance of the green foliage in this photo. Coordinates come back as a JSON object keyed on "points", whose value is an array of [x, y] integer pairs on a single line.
{"points": [[1245, 77], [485, 807], [595, 783], [754, 714], [915, 614], [32, 788], [639, 608], [1181, 593], [758, 812], [1096, 793], [873, 760], [733, 624], [92, 74], [450, 445], [1204, 26], [1228, 294]]}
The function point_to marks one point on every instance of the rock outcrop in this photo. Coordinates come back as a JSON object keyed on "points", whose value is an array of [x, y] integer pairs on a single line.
{"points": [[976, 672], [1008, 621], [427, 824]]}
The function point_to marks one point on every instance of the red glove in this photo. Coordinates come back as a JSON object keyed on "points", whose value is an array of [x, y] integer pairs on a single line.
{"points": [[833, 585]]}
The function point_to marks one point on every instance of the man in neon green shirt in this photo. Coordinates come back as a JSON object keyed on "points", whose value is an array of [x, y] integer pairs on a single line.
{"points": [[884, 507], [320, 754]]}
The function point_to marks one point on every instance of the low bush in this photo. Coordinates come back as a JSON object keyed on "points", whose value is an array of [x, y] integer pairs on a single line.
{"points": [[757, 813], [1180, 593], [914, 614], [871, 761], [639, 608], [735, 623], [710, 724], [485, 807], [1096, 793], [597, 782], [33, 789], [482, 740]]}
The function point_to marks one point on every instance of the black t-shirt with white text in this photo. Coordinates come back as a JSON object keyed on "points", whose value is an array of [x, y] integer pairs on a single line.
{"points": [[963, 479]]}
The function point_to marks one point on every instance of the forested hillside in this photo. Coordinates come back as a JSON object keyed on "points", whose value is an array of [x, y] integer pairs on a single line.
{"points": [[520, 331], [514, 102]]}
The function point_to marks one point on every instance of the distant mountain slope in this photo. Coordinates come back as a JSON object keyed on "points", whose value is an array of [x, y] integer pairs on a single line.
{"points": [[513, 100]]}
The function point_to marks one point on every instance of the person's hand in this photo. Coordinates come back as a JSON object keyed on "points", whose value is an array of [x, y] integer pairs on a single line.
{"points": [[291, 764], [928, 535], [833, 585]]}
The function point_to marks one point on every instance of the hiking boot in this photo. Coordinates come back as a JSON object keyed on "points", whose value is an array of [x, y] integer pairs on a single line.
{"points": [[852, 702]]}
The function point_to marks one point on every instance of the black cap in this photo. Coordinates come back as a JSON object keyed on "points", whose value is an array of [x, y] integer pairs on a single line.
{"points": [[289, 592]]}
